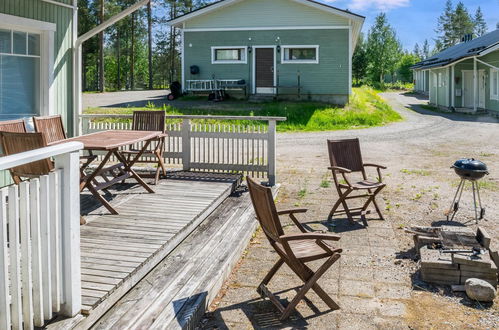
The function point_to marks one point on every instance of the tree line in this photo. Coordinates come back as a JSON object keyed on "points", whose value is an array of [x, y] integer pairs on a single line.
{"points": [[380, 57], [138, 52]]}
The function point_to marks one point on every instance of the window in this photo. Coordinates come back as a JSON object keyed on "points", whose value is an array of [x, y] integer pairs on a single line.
{"points": [[19, 74], [300, 54], [494, 84], [228, 55]]}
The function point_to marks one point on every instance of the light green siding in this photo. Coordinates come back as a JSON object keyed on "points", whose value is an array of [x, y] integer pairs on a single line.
{"points": [[493, 59], [63, 40], [329, 77], [265, 13], [440, 87]]}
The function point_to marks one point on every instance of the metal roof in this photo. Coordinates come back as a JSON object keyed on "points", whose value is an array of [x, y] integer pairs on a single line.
{"points": [[462, 50]]}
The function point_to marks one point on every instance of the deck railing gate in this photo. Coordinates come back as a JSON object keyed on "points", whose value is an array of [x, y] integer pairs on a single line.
{"points": [[40, 240], [248, 149]]}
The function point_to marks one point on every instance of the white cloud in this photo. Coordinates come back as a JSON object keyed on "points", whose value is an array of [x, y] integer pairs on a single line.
{"points": [[383, 5]]}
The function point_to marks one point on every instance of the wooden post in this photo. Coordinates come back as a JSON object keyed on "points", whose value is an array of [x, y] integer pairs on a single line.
{"points": [[271, 152], [453, 82], [186, 144], [475, 85], [70, 232]]}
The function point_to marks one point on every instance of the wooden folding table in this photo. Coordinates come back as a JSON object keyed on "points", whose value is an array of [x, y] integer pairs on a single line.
{"points": [[112, 142]]}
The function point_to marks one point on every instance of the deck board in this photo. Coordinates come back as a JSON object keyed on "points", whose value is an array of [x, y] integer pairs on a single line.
{"points": [[117, 247]]}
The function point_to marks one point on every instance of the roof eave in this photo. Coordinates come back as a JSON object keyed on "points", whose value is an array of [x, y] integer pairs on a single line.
{"points": [[178, 22]]}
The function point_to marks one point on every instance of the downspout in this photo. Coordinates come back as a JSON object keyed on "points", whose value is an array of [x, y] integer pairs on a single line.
{"points": [[77, 88], [475, 85]]}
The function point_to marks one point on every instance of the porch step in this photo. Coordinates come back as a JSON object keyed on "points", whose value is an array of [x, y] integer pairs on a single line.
{"points": [[260, 98], [176, 293]]}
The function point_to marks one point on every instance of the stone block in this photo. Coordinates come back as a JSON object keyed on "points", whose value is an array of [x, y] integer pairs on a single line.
{"points": [[482, 261], [434, 259], [483, 237]]}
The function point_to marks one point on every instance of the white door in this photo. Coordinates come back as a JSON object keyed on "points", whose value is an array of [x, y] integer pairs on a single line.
{"points": [[481, 89], [468, 90]]}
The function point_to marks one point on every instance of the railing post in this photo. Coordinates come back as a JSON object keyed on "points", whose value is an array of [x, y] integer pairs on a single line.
{"points": [[186, 144], [84, 124], [271, 152], [70, 232]]}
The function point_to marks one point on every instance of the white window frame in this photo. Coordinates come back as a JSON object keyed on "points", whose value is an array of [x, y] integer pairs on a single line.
{"points": [[494, 95], [244, 50], [283, 52], [46, 31]]}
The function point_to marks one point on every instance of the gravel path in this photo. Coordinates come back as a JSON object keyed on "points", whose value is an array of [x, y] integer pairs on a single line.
{"points": [[376, 281]]}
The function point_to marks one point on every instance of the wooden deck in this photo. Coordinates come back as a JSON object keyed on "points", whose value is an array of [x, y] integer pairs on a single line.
{"points": [[117, 251]]}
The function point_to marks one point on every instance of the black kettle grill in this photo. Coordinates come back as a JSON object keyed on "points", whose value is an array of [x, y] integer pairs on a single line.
{"points": [[468, 169]]}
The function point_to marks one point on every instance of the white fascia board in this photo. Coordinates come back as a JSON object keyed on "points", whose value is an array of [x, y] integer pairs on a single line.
{"points": [[489, 50], [176, 22]]}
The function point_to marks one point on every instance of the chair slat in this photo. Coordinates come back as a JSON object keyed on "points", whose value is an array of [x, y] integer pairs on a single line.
{"points": [[346, 153], [52, 128]]}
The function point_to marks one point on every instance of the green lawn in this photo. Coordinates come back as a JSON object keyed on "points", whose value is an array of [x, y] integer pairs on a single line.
{"points": [[366, 109]]}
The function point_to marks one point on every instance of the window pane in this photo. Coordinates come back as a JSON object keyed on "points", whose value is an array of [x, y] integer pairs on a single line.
{"points": [[228, 55], [19, 39], [33, 44], [19, 86], [298, 54], [5, 41]]}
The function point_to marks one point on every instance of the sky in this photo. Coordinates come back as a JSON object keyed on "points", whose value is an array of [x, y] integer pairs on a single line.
{"points": [[414, 20]]}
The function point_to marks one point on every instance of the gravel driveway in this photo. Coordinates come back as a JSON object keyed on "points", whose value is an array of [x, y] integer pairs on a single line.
{"points": [[376, 281]]}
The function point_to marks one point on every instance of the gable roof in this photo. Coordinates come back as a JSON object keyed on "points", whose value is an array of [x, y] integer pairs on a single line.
{"points": [[222, 3], [475, 47]]}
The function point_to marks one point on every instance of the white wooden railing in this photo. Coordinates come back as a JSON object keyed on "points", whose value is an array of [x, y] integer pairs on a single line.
{"points": [[209, 147], [40, 240]]}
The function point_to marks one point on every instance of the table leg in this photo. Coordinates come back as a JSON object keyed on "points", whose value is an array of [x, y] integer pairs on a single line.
{"points": [[88, 181], [128, 167]]}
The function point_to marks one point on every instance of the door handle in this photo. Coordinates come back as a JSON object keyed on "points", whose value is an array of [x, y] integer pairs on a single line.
{"points": [[272, 69]]}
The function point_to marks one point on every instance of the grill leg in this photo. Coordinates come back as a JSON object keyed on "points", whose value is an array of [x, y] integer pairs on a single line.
{"points": [[482, 209], [455, 202]]}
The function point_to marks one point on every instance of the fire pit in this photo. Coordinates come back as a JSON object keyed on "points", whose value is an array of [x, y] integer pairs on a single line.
{"points": [[468, 169]]}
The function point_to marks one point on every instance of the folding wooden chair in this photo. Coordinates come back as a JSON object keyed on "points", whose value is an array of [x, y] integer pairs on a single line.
{"points": [[53, 129], [293, 249], [18, 126], [345, 158], [13, 143], [150, 121]]}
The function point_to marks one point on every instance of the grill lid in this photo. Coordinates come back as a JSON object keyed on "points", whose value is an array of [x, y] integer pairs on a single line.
{"points": [[470, 164]]}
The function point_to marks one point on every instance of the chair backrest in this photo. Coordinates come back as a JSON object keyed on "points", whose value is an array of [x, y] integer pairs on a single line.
{"points": [[14, 143], [149, 121], [18, 126], [266, 213], [51, 127], [346, 153]]}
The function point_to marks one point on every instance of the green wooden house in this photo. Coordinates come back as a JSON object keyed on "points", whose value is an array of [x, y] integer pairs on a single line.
{"points": [[36, 59], [294, 47], [464, 77]]}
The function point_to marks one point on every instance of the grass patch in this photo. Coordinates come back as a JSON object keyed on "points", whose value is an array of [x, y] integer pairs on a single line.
{"points": [[325, 183], [366, 109], [415, 172]]}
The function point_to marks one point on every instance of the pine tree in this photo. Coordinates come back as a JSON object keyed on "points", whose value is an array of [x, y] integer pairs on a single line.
{"points": [[359, 60], [479, 22], [417, 51], [462, 24], [444, 27], [383, 49], [425, 53]]}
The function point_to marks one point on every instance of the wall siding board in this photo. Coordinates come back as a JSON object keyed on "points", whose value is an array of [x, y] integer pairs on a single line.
{"points": [[329, 77], [63, 41], [258, 13]]}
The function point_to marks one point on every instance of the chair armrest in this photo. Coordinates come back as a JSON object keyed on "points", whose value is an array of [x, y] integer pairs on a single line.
{"points": [[292, 211], [375, 165], [340, 169], [302, 236]]}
